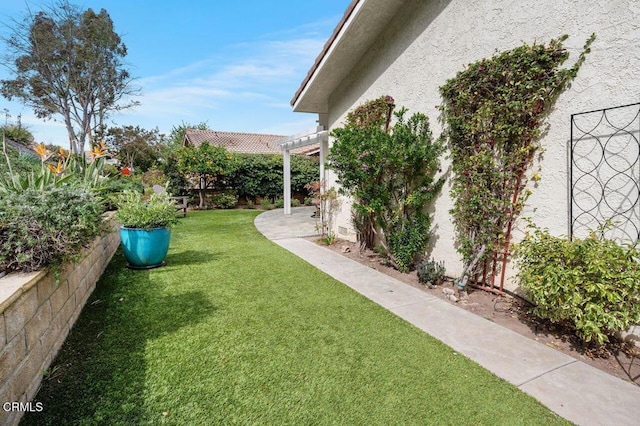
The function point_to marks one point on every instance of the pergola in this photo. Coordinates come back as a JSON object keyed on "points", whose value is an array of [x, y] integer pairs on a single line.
{"points": [[320, 137]]}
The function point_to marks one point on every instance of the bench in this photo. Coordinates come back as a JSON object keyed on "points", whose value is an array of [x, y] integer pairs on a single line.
{"points": [[180, 200]]}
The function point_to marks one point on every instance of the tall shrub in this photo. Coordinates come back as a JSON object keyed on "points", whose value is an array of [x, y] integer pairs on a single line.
{"points": [[390, 172], [493, 112], [261, 175]]}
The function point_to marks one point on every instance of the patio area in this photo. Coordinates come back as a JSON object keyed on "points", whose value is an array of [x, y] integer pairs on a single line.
{"points": [[275, 225]]}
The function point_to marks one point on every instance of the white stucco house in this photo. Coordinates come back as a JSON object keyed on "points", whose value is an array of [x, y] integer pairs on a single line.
{"points": [[408, 48]]}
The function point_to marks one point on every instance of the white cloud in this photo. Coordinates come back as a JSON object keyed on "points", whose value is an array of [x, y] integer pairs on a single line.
{"points": [[253, 77]]}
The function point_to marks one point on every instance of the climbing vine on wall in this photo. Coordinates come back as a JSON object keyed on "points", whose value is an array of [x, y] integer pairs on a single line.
{"points": [[390, 172], [494, 112]]}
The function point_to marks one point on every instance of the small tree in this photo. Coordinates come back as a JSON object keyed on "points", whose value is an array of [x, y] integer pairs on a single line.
{"points": [[69, 62], [176, 136], [390, 172], [212, 166], [136, 147]]}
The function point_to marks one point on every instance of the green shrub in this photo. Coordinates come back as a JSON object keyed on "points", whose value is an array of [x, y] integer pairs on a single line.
{"points": [[154, 177], [430, 272], [115, 186], [261, 175], [592, 283], [408, 239], [46, 228], [390, 172], [18, 134], [279, 203], [225, 200], [178, 184], [266, 204], [20, 163], [64, 170], [157, 211]]}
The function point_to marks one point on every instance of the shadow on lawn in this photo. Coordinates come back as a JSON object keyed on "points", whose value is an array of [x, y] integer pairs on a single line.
{"points": [[99, 374], [191, 257]]}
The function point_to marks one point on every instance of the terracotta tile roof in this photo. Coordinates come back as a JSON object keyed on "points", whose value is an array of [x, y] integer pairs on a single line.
{"points": [[246, 143]]}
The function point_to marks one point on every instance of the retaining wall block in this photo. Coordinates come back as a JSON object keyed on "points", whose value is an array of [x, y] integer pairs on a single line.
{"points": [[46, 287], [37, 325], [68, 309], [18, 314], [6, 394], [59, 297], [3, 335], [11, 355], [59, 326], [30, 368]]}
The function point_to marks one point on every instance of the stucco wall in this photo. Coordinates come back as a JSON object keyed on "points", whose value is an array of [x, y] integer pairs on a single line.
{"points": [[428, 42]]}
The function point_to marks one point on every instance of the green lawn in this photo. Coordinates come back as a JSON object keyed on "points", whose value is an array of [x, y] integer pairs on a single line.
{"points": [[237, 330]]}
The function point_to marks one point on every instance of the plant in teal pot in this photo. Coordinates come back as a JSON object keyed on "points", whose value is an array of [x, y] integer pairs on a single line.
{"points": [[146, 228]]}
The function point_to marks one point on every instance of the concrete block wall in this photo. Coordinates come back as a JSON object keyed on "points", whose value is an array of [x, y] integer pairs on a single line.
{"points": [[36, 315]]}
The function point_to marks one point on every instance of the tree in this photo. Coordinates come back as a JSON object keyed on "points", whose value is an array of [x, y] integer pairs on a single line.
{"points": [[213, 166], [69, 62], [135, 147], [391, 173], [178, 182], [176, 136]]}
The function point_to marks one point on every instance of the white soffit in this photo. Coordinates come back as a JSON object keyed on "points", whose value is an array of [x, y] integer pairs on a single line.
{"points": [[364, 24]]}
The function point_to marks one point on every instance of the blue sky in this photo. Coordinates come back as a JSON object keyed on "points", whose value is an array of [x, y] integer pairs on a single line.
{"points": [[234, 64]]}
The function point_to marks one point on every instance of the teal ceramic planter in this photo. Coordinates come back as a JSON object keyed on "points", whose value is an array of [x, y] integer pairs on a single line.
{"points": [[145, 248]]}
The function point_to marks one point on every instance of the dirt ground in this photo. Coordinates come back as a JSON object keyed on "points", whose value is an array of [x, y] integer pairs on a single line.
{"points": [[618, 359]]}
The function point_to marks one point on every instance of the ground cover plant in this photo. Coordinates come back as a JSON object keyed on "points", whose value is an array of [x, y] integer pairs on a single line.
{"points": [[49, 212], [237, 330], [46, 228]]}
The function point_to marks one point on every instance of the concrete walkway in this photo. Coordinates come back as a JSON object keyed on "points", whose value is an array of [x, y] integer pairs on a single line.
{"points": [[574, 390]]}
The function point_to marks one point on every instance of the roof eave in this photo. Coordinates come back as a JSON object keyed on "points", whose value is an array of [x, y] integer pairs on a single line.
{"points": [[355, 33]]}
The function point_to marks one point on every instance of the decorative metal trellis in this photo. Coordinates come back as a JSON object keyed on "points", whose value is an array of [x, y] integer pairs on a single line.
{"points": [[605, 172]]}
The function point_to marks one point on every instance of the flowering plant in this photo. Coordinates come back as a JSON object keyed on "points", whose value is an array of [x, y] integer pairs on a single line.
{"points": [[56, 169]]}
